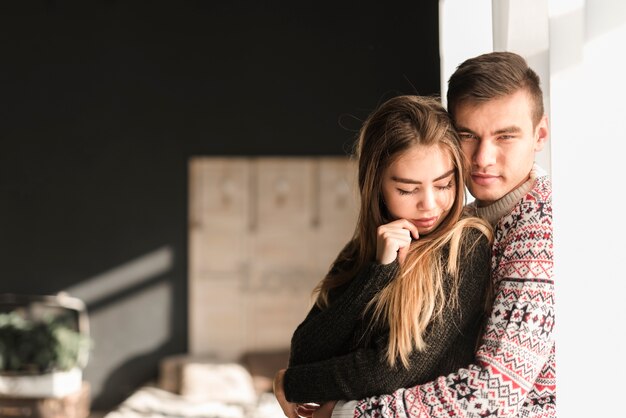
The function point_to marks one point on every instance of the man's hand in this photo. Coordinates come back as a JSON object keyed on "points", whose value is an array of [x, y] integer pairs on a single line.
{"points": [[289, 409], [306, 410], [324, 411]]}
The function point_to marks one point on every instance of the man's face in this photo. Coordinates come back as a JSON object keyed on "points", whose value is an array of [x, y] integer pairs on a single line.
{"points": [[500, 142]]}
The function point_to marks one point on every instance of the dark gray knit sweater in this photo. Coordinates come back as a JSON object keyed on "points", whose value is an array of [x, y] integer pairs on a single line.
{"points": [[335, 353]]}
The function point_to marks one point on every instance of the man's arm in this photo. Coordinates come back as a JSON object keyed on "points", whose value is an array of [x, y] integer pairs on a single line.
{"points": [[517, 344]]}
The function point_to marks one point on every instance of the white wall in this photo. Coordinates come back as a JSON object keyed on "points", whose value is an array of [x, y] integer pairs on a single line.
{"points": [[587, 40], [464, 31], [583, 68]]}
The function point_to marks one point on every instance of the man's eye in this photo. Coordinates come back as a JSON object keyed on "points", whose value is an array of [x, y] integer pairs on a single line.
{"points": [[465, 137]]}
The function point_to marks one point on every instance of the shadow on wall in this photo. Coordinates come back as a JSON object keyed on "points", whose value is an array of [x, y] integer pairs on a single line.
{"points": [[119, 384], [130, 309]]}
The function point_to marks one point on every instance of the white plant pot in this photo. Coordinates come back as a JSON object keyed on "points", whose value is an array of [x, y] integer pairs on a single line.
{"points": [[47, 385]]}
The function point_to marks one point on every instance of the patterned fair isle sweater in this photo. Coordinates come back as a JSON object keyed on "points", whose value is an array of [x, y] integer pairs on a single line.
{"points": [[514, 372]]}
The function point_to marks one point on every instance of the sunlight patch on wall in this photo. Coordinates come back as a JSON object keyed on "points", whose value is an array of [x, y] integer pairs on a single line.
{"points": [[124, 277]]}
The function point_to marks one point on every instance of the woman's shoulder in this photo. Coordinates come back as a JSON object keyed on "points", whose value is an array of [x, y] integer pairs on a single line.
{"points": [[474, 228], [475, 241], [469, 242], [477, 233]]}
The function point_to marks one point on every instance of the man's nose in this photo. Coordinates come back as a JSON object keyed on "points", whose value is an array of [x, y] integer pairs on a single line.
{"points": [[485, 154]]}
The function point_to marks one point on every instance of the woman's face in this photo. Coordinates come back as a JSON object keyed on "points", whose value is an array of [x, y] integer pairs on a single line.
{"points": [[419, 187]]}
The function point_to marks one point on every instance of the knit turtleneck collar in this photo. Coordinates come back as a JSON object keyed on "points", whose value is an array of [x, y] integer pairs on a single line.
{"points": [[493, 212]]}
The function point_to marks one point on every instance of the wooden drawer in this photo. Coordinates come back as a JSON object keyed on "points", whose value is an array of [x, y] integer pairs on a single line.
{"points": [[75, 405]]}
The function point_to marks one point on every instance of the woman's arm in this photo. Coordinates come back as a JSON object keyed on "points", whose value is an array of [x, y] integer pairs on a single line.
{"points": [[324, 333], [366, 371], [329, 332]]}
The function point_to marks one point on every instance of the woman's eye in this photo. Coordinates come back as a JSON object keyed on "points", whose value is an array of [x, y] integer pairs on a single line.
{"points": [[446, 187], [406, 192]]}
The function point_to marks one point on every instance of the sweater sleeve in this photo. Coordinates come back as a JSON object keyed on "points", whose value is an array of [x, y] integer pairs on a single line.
{"points": [[366, 371], [324, 333], [518, 340]]}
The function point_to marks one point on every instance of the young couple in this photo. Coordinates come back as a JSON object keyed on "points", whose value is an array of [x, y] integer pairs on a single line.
{"points": [[446, 310]]}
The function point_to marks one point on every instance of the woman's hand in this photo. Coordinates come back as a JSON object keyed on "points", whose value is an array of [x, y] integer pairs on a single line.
{"points": [[393, 240], [289, 409]]}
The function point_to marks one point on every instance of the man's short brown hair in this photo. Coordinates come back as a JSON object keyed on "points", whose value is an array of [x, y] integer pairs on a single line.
{"points": [[491, 76]]}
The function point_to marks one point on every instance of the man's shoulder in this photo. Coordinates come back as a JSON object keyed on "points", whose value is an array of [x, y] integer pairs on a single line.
{"points": [[534, 209], [537, 202], [541, 191], [523, 238]]}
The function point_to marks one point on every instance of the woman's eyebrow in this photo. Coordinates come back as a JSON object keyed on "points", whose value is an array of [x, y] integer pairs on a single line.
{"points": [[411, 181]]}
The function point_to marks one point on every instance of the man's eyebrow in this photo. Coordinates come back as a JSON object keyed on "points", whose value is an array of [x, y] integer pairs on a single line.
{"points": [[465, 130], [506, 130], [411, 181]]}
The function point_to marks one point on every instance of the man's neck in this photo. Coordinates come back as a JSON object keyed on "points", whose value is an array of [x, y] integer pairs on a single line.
{"points": [[492, 212]]}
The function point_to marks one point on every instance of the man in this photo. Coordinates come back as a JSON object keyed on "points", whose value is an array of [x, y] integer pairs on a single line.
{"points": [[496, 103]]}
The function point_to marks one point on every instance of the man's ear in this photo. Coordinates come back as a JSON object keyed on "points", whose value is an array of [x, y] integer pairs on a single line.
{"points": [[542, 133]]}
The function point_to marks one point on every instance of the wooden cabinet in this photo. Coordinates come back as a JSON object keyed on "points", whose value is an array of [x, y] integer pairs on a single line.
{"points": [[262, 233], [73, 405]]}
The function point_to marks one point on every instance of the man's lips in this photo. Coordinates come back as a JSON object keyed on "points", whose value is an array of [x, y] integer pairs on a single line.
{"points": [[484, 179]]}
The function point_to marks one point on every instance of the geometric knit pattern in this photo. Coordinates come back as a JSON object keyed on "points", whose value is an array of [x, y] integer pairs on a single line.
{"points": [[514, 374]]}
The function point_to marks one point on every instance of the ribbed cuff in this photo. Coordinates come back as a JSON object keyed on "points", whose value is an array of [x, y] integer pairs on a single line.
{"points": [[344, 409]]}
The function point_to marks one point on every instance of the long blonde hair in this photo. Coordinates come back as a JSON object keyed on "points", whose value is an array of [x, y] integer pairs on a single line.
{"points": [[416, 296]]}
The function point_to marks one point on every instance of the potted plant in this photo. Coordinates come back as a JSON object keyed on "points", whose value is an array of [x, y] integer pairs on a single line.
{"points": [[42, 353]]}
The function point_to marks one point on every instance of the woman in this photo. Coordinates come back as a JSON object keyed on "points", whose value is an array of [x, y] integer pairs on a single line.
{"points": [[403, 301]]}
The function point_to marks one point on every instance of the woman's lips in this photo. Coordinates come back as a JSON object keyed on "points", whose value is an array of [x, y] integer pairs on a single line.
{"points": [[425, 222]]}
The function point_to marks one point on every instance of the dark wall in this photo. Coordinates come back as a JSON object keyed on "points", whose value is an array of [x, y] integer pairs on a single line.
{"points": [[103, 103]]}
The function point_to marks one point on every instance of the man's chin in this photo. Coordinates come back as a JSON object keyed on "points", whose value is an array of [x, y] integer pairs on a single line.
{"points": [[485, 195]]}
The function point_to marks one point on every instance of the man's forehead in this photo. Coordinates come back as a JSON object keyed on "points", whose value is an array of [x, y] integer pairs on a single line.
{"points": [[521, 97], [505, 113]]}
